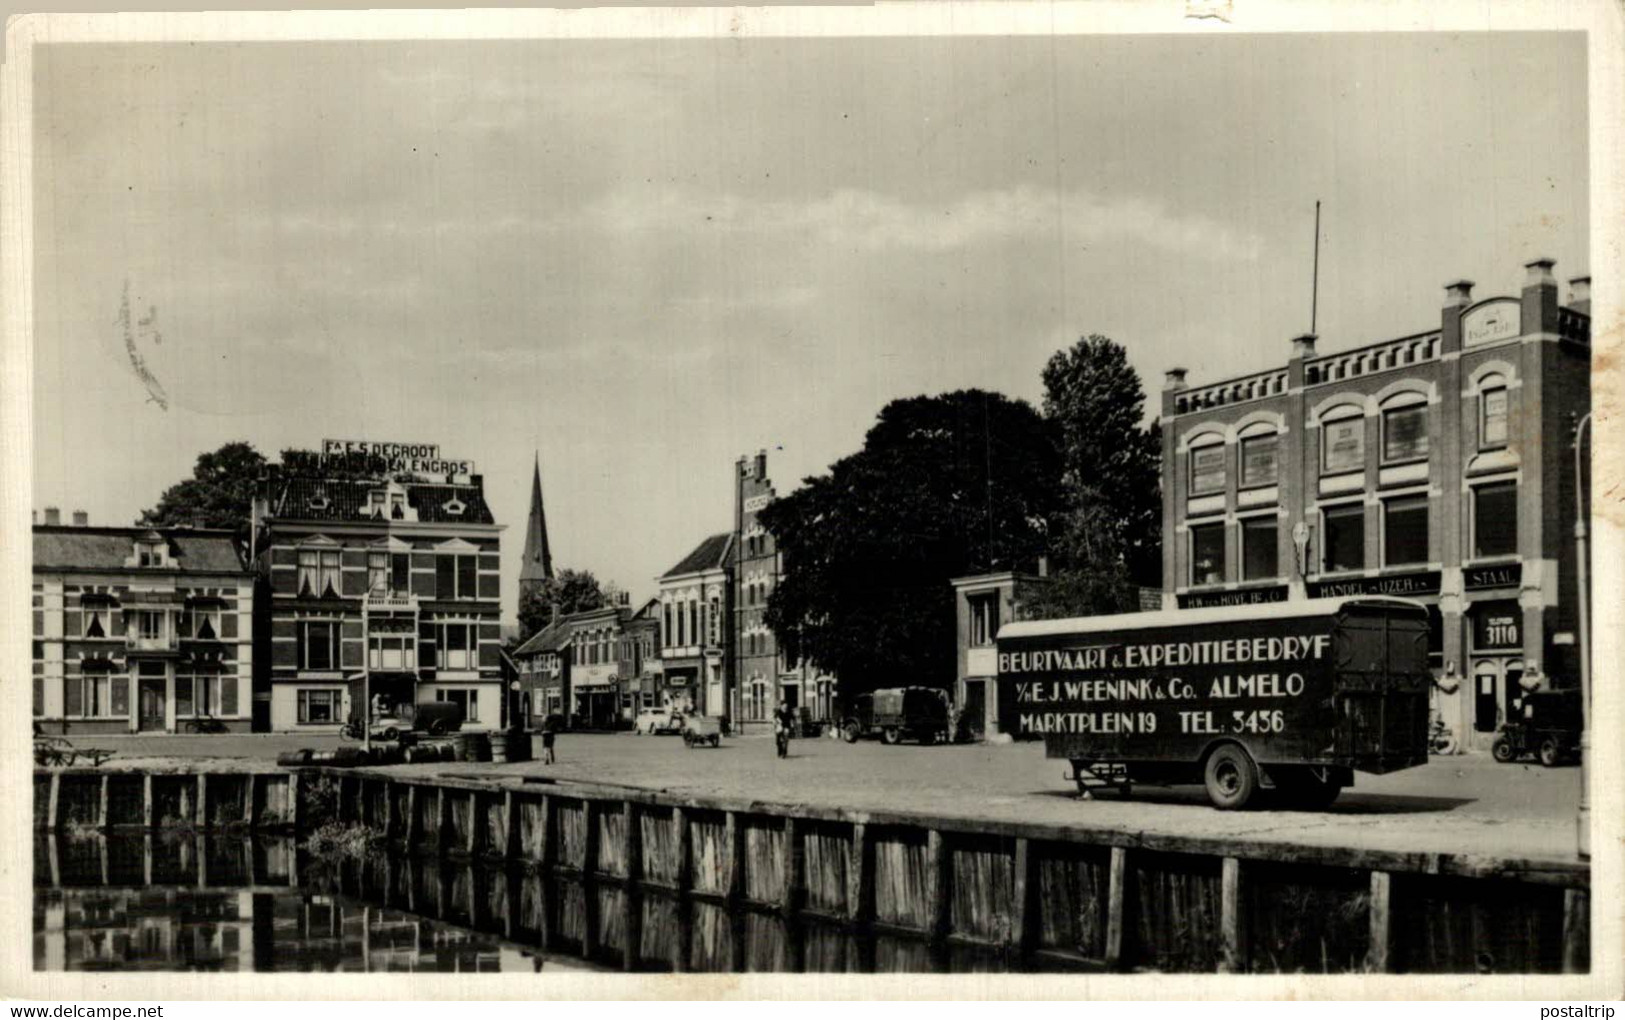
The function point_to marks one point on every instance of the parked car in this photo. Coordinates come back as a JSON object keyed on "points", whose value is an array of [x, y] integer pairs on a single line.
{"points": [[895, 714], [435, 718], [1549, 728], [658, 720]]}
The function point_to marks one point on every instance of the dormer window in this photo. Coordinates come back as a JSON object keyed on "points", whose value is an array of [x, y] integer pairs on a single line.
{"points": [[318, 502], [455, 507], [149, 554]]}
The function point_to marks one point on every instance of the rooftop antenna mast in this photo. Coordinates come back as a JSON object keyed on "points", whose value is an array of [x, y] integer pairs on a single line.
{"points": [[1314, 287]]}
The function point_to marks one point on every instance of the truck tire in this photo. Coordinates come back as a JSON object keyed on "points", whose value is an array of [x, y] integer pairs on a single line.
{"points": [[1231, 777], [849, 732], [1550, 753], [890, 735], [1300, 788], [1501, 750]]}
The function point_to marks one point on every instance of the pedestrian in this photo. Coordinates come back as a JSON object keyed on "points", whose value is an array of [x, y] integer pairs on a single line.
{"points": [[547, 742], [783, 725]]}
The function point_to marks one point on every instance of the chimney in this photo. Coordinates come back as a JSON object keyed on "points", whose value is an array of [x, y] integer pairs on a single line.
{"points": [[1458, 294], [1173, 379], [1539, 298], [1303, 346], [761, 465], [1580, 294], [53, 516], [81, 519]]}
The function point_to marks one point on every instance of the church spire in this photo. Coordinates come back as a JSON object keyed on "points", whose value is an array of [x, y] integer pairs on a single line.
{"points": [[537, 565]]}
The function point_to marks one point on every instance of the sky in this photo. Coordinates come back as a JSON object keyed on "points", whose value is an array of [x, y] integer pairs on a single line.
{"points": [[638, 260]]}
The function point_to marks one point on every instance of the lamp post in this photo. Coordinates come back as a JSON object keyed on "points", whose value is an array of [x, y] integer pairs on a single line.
{"points": [[1583, 815]]}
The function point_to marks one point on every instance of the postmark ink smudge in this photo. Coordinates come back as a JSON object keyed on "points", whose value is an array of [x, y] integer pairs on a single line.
{"points": [[142, 328]]}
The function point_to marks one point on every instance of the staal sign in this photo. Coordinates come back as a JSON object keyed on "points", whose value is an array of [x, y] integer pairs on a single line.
{"points": [[1507, 575], [408, 458]]}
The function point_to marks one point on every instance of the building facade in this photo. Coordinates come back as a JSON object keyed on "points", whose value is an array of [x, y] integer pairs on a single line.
{"points": [[1438, 466], [613, 664], [982, 604], [382, 589], [140, 629], [762, 677], [695, 607], [543, 662]]}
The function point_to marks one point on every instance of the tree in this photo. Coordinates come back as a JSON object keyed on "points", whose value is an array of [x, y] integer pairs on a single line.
{"points": [[944, 486], [1111, 465], [572, 591], [219, 494]]}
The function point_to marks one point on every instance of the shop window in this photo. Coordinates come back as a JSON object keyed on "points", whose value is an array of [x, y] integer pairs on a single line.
{"points": [[92, 696], [319, 707], [984, 619], [1259, 464], [1495, 519], [1207, 469], [318, 645], [1492, 418], [1207, 554], [391, 651], [1343, 528], [1342, 444], [1405, 433], [1405, 530], [468, 701], [1260, 548]]}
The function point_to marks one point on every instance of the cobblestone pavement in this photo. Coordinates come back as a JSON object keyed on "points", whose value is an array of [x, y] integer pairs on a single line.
{"points": [[1464, 804]]}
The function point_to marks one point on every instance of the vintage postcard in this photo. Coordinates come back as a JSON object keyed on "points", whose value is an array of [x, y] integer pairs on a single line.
{"points": [[781, 502]]}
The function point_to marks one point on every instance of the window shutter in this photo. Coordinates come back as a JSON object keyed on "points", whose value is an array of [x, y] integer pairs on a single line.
{"points": [[183, 695], [465, 577], [119, 686], [445, 577], [73, 701], [228, 695], [39, 695]]}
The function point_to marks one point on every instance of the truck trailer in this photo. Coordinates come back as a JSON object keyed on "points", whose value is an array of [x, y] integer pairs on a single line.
{"points": [[1288, 697]]}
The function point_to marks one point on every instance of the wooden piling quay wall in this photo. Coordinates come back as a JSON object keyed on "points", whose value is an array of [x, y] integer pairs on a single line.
{"points": [[721, 884]]}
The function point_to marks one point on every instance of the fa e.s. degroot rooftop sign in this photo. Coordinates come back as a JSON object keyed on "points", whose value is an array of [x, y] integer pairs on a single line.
{"points": [[406, 458]]}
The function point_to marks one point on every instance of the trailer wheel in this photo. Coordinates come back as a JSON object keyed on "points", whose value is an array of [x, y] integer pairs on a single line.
{"points": [[1501, 750], [1231, 777], [849, 732], [390, 733], [1550, 753], [890, 735]]}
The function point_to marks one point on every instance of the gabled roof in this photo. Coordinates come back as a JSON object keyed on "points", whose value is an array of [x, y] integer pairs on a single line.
{"points": [[345, 499], [550, 638], [711, 554], [58, 547]]}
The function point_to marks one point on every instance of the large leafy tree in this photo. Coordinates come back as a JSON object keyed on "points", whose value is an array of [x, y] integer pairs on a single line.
{"points": [[218, 495], [570, 590], [1109, 539], [945, 486]]}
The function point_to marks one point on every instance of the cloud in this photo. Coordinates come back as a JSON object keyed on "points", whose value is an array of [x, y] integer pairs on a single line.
{"points": [[867, 220]]}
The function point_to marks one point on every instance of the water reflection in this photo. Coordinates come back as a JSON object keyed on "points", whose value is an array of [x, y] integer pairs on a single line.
{"points": [[223, 902]]}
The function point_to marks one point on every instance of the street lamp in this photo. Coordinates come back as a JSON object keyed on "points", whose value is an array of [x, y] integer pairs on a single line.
{"points": [[1583, 815]]}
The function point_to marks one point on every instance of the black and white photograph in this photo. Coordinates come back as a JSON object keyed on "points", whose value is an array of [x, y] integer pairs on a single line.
{"points": [[976, 494]]}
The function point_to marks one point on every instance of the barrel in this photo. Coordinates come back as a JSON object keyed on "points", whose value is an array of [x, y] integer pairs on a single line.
{"points": [[499, 747], [472, 746]]}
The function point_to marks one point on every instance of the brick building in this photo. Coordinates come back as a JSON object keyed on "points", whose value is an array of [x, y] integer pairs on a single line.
{"points": [[1437, 466], [696, 602], [387, 583], [762, 677], [140, 629], [543, 662]]}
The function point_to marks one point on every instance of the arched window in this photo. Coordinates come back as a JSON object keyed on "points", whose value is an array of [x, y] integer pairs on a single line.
{"points": [[1342, 439], [1207, 463], [1492, 411], [1405, 427], [1259, 462]]}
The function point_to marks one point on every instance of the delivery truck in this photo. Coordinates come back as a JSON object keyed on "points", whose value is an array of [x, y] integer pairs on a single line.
{"points": [[1288, 697]]}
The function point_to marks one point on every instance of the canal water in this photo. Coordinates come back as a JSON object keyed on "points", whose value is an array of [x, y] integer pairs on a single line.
{"points": [[185, 901]]}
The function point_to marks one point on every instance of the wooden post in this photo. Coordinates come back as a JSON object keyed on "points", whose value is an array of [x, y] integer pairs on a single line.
{"points": [[101, 801], [793, 881], [442, 822], [1378, 956], [56, 863], [937, 878], [632, 843], [1231, 941], [389, 809], [1115, 891], [202, 806], [1022, 897], [250, 788], [733, 843], [859, 883], [477, 821], [146, 859], [55, 801], [510, 823], [1576, 931], [201, 842], [414, 827], [631, 927], [545, 850], [684, 877], [589, 837], [148, 816], [294, 814]]}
